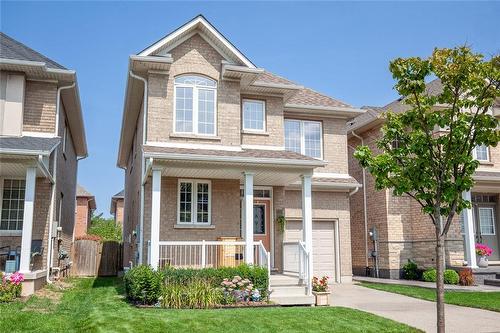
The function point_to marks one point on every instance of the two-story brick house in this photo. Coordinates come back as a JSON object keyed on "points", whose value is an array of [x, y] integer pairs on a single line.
{"points": [[41, 139], [403, 231], [85, 207], [206, 133]]}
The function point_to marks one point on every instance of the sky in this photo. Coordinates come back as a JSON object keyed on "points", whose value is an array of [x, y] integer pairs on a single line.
{"points": [[341, 49]]}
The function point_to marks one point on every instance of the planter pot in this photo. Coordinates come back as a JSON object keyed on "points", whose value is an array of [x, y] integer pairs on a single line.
{"points": [[482, 262], [322, 298]]}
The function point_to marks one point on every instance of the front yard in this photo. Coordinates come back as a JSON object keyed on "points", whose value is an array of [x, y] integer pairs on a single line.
{"points": [[480, 300], [98, 305]]}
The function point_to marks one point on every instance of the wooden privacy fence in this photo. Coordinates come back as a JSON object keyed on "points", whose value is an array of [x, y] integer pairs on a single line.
{"points": [[94, 258]]}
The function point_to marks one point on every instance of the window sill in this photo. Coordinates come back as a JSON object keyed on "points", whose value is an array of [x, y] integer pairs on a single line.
{"points": [[255, 132], [193, 226], [486, 163], [194, 136], [15, 233]]}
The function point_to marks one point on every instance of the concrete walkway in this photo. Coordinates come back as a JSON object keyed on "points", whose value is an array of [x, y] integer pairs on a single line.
{"points": [[429, 285], [414, 312]]}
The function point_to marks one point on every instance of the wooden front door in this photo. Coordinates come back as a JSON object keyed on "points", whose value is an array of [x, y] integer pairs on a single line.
{"points": [[261, 222]]}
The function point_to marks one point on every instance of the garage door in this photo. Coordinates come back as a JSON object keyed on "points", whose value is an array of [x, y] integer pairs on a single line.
{"points": [[323, 247]]}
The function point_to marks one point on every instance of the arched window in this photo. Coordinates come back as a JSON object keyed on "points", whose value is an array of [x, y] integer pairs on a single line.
{"points": [[195, 104]]}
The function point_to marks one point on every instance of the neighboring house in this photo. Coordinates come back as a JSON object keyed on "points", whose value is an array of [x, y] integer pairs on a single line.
{"points": [[403, 231], [206, 133], [41, 139], [116, 209], [85, 207]]}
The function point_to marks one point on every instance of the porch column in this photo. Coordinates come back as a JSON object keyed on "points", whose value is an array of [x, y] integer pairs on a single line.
{"points": [[470, 241], [29, 199], [248, 216], [155, 217], [307, 222]]}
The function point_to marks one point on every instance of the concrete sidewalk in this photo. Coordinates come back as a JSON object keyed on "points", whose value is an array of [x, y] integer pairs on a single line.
{"points": [[414, 312]]}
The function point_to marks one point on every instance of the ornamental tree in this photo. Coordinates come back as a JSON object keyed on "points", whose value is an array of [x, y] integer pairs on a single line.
{"points": [[427, 151]]}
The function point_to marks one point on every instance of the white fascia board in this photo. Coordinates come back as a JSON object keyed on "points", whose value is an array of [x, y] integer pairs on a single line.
{"points": [[21, 62], [341, 109], [24, 152], [192, 25], [233, 159], [276, 85], [330, 175], [242, 69], [161, 59]]}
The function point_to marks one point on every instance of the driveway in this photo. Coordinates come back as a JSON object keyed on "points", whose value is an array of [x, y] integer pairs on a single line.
{"points": [[414, 312]]}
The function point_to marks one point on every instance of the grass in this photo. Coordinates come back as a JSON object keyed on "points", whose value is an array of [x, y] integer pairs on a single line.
{"points": [[473, 299], [98, 305]]}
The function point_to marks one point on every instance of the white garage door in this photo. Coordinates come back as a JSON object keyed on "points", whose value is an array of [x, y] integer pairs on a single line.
{"points": [[323, 247]]}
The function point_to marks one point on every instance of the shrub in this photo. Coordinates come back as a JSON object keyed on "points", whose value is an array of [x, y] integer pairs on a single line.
{"points": [[215, 276], [10, 288], [107, 229], [143, 284], [197, 294], [466, 278], [410, 271], [429, 275], [451, 276]]}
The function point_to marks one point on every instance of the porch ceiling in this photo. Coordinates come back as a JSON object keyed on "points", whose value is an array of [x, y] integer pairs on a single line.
{"points": [[15, 166], [263, 175]]}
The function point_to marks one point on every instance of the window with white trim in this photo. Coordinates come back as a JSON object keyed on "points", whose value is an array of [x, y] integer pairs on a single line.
{"points": [[304, 137], [12, 204], [481, 153], [487, 220], [195, 105], [254, 115], [194, 202]]}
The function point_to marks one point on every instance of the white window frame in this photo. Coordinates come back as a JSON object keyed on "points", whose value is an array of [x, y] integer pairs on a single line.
{"points": [[493, 217], [195, 104], [8, 232], [263, 130], [302, 136], [194, 201], [474, 154]]}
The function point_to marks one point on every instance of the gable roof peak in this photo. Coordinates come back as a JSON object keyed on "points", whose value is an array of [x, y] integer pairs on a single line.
{"points": [[199, 24]]}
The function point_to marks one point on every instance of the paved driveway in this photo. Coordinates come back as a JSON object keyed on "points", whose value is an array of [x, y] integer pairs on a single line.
{"points": [[414, 312]]}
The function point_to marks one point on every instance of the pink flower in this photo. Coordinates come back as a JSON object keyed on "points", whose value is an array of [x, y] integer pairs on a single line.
{"points": [[483, 250], [17, 278]]}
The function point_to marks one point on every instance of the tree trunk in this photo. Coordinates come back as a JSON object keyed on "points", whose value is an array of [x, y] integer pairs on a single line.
{"points": [[440, 266]]}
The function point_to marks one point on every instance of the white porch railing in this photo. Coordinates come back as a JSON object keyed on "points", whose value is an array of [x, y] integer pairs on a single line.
{"points": [[304, 275], [201, 254]]}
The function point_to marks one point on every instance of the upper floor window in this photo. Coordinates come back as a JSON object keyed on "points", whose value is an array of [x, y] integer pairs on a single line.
{"points": [[254, 115], [195, 103], [304, 137], [481, 153]]}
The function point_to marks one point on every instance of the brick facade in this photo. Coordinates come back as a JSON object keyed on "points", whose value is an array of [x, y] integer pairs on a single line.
{"points": [[82, 218], [404, 232], [40, 107]]}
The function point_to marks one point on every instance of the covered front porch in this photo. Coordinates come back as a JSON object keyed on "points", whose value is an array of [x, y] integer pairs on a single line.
{"points": [[25, 201], [196, 211]]}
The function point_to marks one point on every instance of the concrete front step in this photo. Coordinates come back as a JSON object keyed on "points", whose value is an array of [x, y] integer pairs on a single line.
{"points": [[293, 300], [492, 282], [286, 290], [285, 280]]}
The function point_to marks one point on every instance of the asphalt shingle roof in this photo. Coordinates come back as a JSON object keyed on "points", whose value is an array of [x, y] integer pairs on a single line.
{"points": [[13, 49], [82, 192], [29, 143], [120, 194]]}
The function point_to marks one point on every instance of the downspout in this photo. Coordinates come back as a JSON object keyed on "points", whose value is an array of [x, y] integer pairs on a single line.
{"points": [[141, 212], [365, 212], [53, 189]]}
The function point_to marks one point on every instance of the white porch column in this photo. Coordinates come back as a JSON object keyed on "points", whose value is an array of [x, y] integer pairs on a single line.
{"points": [[470, 241], [155, 217], [29, 200], [307, 223], [248, 216]]}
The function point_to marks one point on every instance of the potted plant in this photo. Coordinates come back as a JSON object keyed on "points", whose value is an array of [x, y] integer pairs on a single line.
{"points": [[483, 251], [321, 291]]}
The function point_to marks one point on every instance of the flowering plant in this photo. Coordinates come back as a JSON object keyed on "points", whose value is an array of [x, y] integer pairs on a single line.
{"points": [[240, 289], [483, 250], [320, 285], [10, 286]]}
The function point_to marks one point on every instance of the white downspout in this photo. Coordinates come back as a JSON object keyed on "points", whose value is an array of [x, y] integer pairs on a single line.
{"points": [[365, 212], [53, 190], [141, 213]]}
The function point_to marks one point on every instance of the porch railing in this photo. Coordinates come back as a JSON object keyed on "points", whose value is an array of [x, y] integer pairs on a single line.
{"points": [[304, 274], [201, 254]]}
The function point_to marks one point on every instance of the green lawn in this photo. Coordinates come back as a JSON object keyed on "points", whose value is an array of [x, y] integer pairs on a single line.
{"points": [[481, 300], [98, 305]]}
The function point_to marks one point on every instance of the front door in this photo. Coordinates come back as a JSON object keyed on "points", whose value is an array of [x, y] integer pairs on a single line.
{"points": [[486, 229], [261, 222]]}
